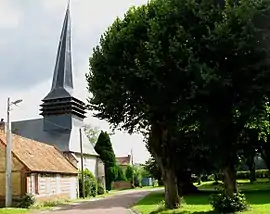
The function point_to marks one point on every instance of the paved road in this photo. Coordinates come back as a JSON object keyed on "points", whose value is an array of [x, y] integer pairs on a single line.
{"points": [[115, 204]]}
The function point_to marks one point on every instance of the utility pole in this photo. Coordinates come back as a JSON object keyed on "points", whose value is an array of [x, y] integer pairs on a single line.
{"points": [[133, 176], [82, 167], [8, 158], [8, 201]]}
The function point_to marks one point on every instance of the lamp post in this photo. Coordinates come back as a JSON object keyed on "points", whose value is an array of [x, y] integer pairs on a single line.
{"points": [[8, 200]]}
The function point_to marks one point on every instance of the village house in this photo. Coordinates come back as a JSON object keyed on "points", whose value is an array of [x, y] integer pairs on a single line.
{"points": [[38, 169], [123, 162], [63, 114]]}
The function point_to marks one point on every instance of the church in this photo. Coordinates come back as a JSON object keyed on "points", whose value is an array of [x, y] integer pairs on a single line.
{"points": [[63, 114]]}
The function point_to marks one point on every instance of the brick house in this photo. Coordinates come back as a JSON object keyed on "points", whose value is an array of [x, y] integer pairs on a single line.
{"points": [[123, 162], [39, 169]]}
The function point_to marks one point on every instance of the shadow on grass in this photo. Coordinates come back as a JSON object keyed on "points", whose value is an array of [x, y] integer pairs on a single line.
{"points": [[256, 194], [253, 197], [160, 210]]}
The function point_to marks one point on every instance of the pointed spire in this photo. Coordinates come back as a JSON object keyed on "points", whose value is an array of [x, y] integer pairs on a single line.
{"points": [[62, 85], [68, 5]]}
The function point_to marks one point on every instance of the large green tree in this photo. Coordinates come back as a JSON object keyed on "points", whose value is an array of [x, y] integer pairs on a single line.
{"points": [[92, 133], [105, 150], [235, 82], [169, 60], [153, 169], [141, 76]]}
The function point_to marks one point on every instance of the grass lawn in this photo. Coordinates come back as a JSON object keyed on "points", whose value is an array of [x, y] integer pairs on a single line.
{"points": [[258, 196], [13, 211]]}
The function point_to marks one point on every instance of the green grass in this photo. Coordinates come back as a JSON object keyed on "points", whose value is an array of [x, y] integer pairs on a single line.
{"points": [[13, 211], [257, 194]]}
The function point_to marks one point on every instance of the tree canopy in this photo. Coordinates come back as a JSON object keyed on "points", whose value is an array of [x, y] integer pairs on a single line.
{"points": [[105, 150], [92, 133], [179, 70]]}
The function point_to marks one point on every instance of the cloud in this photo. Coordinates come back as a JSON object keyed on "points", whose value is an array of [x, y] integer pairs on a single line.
{"points": [[122, 142], [29, 46], [9, 16], [30, 33]]}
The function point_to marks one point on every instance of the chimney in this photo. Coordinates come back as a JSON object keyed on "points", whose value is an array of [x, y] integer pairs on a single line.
{"points": [[2, 125]]}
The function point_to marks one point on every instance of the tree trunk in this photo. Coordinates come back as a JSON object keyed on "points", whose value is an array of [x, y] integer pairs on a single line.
{"points": [[251, 166], [171, 192], [159, 144], [230, 180], [184, 184], [160, 182], [265, 154], [216, 178], [170, 182], [199, 179]]}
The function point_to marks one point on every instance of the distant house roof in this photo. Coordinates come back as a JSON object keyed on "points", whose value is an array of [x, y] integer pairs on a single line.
{"points": [[39, 157], [123, 161]]}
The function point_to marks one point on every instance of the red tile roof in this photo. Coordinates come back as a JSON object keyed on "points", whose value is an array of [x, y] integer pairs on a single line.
{"points": [[123, 161]]}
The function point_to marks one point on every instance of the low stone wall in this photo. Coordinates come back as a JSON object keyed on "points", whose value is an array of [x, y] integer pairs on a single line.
{"points": [[121, 185]]}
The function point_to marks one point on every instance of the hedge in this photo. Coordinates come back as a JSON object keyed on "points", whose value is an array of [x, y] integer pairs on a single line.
{"points": [[90, 183], [262, 173]]}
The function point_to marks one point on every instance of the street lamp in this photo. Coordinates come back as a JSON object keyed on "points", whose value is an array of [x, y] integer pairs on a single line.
{"points": [[8, 200]]}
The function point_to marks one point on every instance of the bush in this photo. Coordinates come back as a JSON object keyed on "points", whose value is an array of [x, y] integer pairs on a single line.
{"points": [[111, 174], [193, 178], [90, 184], [26, 201], [262, 173], [224, 204], [137, 180], [100, 190], [203, 178], [120, 174], [129, 173]]}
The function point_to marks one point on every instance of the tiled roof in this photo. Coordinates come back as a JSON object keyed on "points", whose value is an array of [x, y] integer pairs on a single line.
{"points": [[123, 161], [39, 157]]}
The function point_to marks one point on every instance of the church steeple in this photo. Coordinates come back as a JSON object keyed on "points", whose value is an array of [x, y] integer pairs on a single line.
{"points": [[59, 107], [62, 85]]}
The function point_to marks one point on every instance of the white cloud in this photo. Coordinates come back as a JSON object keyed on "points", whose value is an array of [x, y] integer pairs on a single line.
{"points": [[29, 108], [89, 20], [9, 16]]}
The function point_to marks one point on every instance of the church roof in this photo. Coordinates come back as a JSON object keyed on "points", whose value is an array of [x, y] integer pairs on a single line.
{"points": [[65, 141], [62, 85], [39, 157]]}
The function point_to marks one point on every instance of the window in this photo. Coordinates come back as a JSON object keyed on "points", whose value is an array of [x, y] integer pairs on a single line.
{"points": [[36, 184]]}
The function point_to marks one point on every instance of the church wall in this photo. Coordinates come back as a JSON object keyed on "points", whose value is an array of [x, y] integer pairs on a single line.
{"points": [[89, 162], [101, 172], [95, 165]]}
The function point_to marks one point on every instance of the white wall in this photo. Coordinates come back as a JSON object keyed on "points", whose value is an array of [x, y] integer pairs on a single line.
{"points": [[73, 188], [53, 185], [89, 162]]}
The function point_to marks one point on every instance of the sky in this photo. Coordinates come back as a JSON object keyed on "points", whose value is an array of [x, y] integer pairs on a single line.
{"points": [[30, 31]]}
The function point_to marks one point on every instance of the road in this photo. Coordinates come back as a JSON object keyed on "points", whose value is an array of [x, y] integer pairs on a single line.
{"points": [[115, 204]]}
